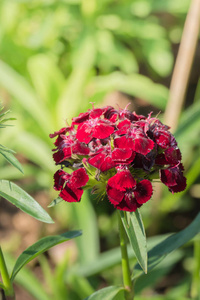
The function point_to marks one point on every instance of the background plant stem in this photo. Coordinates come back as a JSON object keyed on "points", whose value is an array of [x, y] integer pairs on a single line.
{"points": [[129, 294], [195, 289], [5, 277], [183, 65]]}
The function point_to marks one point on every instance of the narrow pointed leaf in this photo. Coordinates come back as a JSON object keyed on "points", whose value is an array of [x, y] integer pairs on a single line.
{"points": [[171, 243], [23, 201], [55, 202], [136, 234], [27, 280], [107, 293], [11, 159], [41, 246]]}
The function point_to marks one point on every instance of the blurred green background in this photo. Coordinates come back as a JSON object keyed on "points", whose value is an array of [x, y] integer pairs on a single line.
{"points": [[56, 57]]}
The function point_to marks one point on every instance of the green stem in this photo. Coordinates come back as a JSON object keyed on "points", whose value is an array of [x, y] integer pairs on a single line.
{"points": [[195, 288], [129, 294], [8, 288]]}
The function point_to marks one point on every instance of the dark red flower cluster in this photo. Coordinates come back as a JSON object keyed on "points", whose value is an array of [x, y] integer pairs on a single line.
{"points": [[117, 152]]}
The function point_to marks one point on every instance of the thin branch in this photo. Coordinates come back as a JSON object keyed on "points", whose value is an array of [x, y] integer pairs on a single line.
{"points": [[183, 65]]}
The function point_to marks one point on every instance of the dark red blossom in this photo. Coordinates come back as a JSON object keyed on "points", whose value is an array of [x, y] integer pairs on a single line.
{"points": [[94, 128], [136, 140], [173, 178], [69, 146], [61, 131], [125, 194], [102, 160], [118, 151], [70, 185]]}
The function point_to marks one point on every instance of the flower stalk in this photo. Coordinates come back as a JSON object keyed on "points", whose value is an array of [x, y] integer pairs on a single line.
{"points": [[7, 285], [128, 285], [195, 288]]}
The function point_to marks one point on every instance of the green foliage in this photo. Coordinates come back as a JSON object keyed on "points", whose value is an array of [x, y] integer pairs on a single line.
{"points": [[39, 247], [175, 241], [108, 293], [22, 200], [136, 233]]}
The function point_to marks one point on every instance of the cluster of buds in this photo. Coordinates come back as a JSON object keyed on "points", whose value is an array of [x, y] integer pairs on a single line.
{"points": [[116, 153]]}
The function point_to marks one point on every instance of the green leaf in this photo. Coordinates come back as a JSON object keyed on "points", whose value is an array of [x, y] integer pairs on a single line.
{"points": [[107, 293], [135, 230], [55, 202], [28, 280], [81, 285], [173, 242], [41, 246], [11, 158], [23, 201], [156, 274], [110, 259]]}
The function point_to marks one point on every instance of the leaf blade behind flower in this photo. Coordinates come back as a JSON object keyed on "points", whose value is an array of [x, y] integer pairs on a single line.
{"points": [[171, 243], [136, 234], [107, 293], [55, 202], [40, 247]]}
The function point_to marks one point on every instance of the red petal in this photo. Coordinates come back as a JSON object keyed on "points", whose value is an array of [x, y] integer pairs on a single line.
{"points": [[180, 186], [79, 178], [143, 191], [59, 179], [61, 155], [123, 127], [168, 177], [128, 205], [107, 164], [80, 148], [115, 196], [123, 155], [122, 180], [143, 145], [97, 160], [173, 156], [124, 142], [84, 133], [81, 118], [163, 138], [95, 113], [174, 179], [61, 131], [102, 130], [71, 194]]}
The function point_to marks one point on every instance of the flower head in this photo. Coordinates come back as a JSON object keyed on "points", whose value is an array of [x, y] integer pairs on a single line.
{"points": [[117, 152]]}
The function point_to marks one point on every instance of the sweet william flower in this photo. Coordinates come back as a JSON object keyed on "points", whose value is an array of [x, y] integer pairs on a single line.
{"points": [[70, 185], [94, 128], [173, 178], [117, 153], [125, 193]]}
